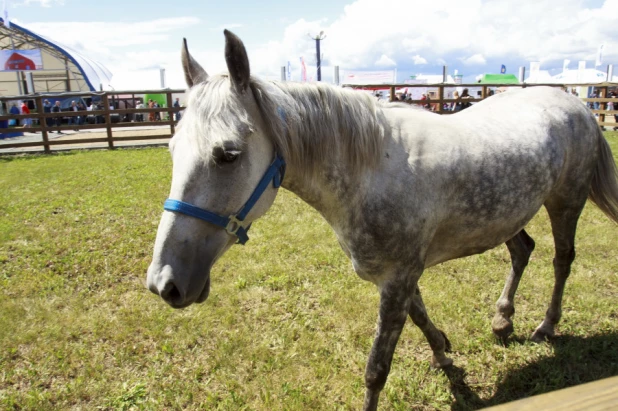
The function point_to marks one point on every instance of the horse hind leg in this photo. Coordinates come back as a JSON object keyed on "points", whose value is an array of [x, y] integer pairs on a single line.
{"points": [[436, 338], [520, 247], [564, 225]]}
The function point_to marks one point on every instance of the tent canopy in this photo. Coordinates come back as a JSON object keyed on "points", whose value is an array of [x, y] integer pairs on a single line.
{"points": [[60, 68], [499, 79], [585, 76]]}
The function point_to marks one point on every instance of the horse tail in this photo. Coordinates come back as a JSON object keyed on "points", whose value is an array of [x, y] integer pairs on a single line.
{"points": [[604, 188]]}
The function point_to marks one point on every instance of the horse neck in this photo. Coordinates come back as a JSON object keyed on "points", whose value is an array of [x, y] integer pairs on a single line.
{"points": [[331, 138], [330, 191]]}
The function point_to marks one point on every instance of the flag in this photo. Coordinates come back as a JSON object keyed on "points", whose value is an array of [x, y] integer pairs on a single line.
{"points": [[303, 70], [535, 68], [565, 65], [581, 70], [5, 15], [599, 56], [289, 73], [503, 69]]}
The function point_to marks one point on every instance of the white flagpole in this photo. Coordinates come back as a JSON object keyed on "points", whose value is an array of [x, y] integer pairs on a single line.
{"points": [[599, 60], [5, 15]]}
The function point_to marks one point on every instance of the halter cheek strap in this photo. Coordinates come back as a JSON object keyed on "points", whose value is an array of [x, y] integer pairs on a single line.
{"points": [[233, 224]]}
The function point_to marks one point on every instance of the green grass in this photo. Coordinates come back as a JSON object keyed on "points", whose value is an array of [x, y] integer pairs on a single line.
{"points": [[288, 324]]}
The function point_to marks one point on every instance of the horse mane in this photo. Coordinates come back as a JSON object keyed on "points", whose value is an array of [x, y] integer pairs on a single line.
{"points": [[309, 123]]}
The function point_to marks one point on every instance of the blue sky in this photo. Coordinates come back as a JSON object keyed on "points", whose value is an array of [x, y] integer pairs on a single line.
{"points": [[136, 38]]}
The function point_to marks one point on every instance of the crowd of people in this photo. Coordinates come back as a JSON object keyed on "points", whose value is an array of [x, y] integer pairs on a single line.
{"points": [[23, 108], [462, 101]]}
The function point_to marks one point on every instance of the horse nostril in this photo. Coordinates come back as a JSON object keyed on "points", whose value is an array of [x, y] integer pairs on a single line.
{"points": [[170, 293]]}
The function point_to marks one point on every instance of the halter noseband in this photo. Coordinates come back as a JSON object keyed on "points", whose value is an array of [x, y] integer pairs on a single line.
{"points": [[233, 224]]}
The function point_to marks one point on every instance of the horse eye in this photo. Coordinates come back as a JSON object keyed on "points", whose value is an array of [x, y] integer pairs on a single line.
{"points": [[229, 156]]}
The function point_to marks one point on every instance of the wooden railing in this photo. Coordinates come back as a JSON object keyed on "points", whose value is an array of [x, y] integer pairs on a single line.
{"points": [[438, 103], [107, 115], [110, 126]]}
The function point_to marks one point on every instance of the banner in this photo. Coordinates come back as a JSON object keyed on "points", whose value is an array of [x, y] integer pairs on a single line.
{"points": [[503, 69], [368, 77], [5, 16], [565, 65], [303, 70], [21, 60], [599, 60], [535, 68], [581, 71]]}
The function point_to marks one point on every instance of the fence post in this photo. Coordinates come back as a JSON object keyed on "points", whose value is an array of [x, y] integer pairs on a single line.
{"points": [[602, 106], [171, 114], [108, 121], [392, 96], [441, 97], [43, 123]]}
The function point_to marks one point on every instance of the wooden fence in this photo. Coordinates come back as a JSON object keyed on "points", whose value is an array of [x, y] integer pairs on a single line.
{"points": [[106, 119], [603, 115], [123, 119]]}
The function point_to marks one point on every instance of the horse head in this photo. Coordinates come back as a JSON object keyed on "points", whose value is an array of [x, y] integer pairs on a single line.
{"points": [[221, 156]]}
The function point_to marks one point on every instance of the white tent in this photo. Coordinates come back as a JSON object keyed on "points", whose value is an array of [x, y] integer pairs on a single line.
{"points": [[541, 77], [587, 76], [432, 79]]}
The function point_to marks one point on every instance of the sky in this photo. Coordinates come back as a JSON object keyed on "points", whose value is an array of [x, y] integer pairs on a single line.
{"points": [[136, 38]]}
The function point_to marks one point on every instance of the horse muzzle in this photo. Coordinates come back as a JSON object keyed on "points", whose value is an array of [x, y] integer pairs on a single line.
{"points": [[162, 282]]}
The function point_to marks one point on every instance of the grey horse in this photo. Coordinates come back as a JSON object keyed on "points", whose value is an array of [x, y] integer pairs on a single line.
{"points": [[403, 189]]}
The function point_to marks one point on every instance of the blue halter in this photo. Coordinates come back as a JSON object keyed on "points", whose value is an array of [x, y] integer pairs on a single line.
{"points": [[234, 223]]}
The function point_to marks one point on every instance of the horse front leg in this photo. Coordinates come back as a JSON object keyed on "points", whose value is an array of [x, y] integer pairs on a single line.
{"points": [[520, 247], [436, 338], [395, 300]]}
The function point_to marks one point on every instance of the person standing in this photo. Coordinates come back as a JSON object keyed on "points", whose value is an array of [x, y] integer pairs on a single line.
{"points": [[177, 114], [80, 119], [157, 114], [74, 119], [58, 119], [456, 105], [14, 111], [151, 115], [27, 122], [465, 95], [47, 106]]}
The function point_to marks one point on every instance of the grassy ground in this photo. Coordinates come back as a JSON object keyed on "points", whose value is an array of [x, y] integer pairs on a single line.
{"points": [[288, 324]]}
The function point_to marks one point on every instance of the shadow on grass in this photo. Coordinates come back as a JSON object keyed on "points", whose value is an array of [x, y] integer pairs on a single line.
{"points": [[576, 360]]}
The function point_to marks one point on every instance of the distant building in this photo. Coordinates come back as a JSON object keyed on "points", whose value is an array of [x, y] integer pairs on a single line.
{"points": [[58, 69]]}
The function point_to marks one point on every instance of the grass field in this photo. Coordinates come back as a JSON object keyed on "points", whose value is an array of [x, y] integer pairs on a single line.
{"points": [[288, 324]]}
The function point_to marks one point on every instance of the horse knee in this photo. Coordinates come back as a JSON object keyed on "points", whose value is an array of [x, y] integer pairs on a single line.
{"points": [[375, 376]]}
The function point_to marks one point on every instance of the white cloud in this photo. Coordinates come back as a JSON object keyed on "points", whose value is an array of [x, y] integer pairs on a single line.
{"points": [[419, 60], [462, 35], [42, 3], [385, 61], [452, 32], [476, 59]]}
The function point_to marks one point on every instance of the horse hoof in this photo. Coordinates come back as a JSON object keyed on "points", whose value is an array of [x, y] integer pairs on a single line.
{"points": [[540, 335], [502, 328], [441, 362]]}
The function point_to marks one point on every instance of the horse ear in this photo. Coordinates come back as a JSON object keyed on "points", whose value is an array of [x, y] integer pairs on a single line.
{"points": [[194, 73], [237, 61]]}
